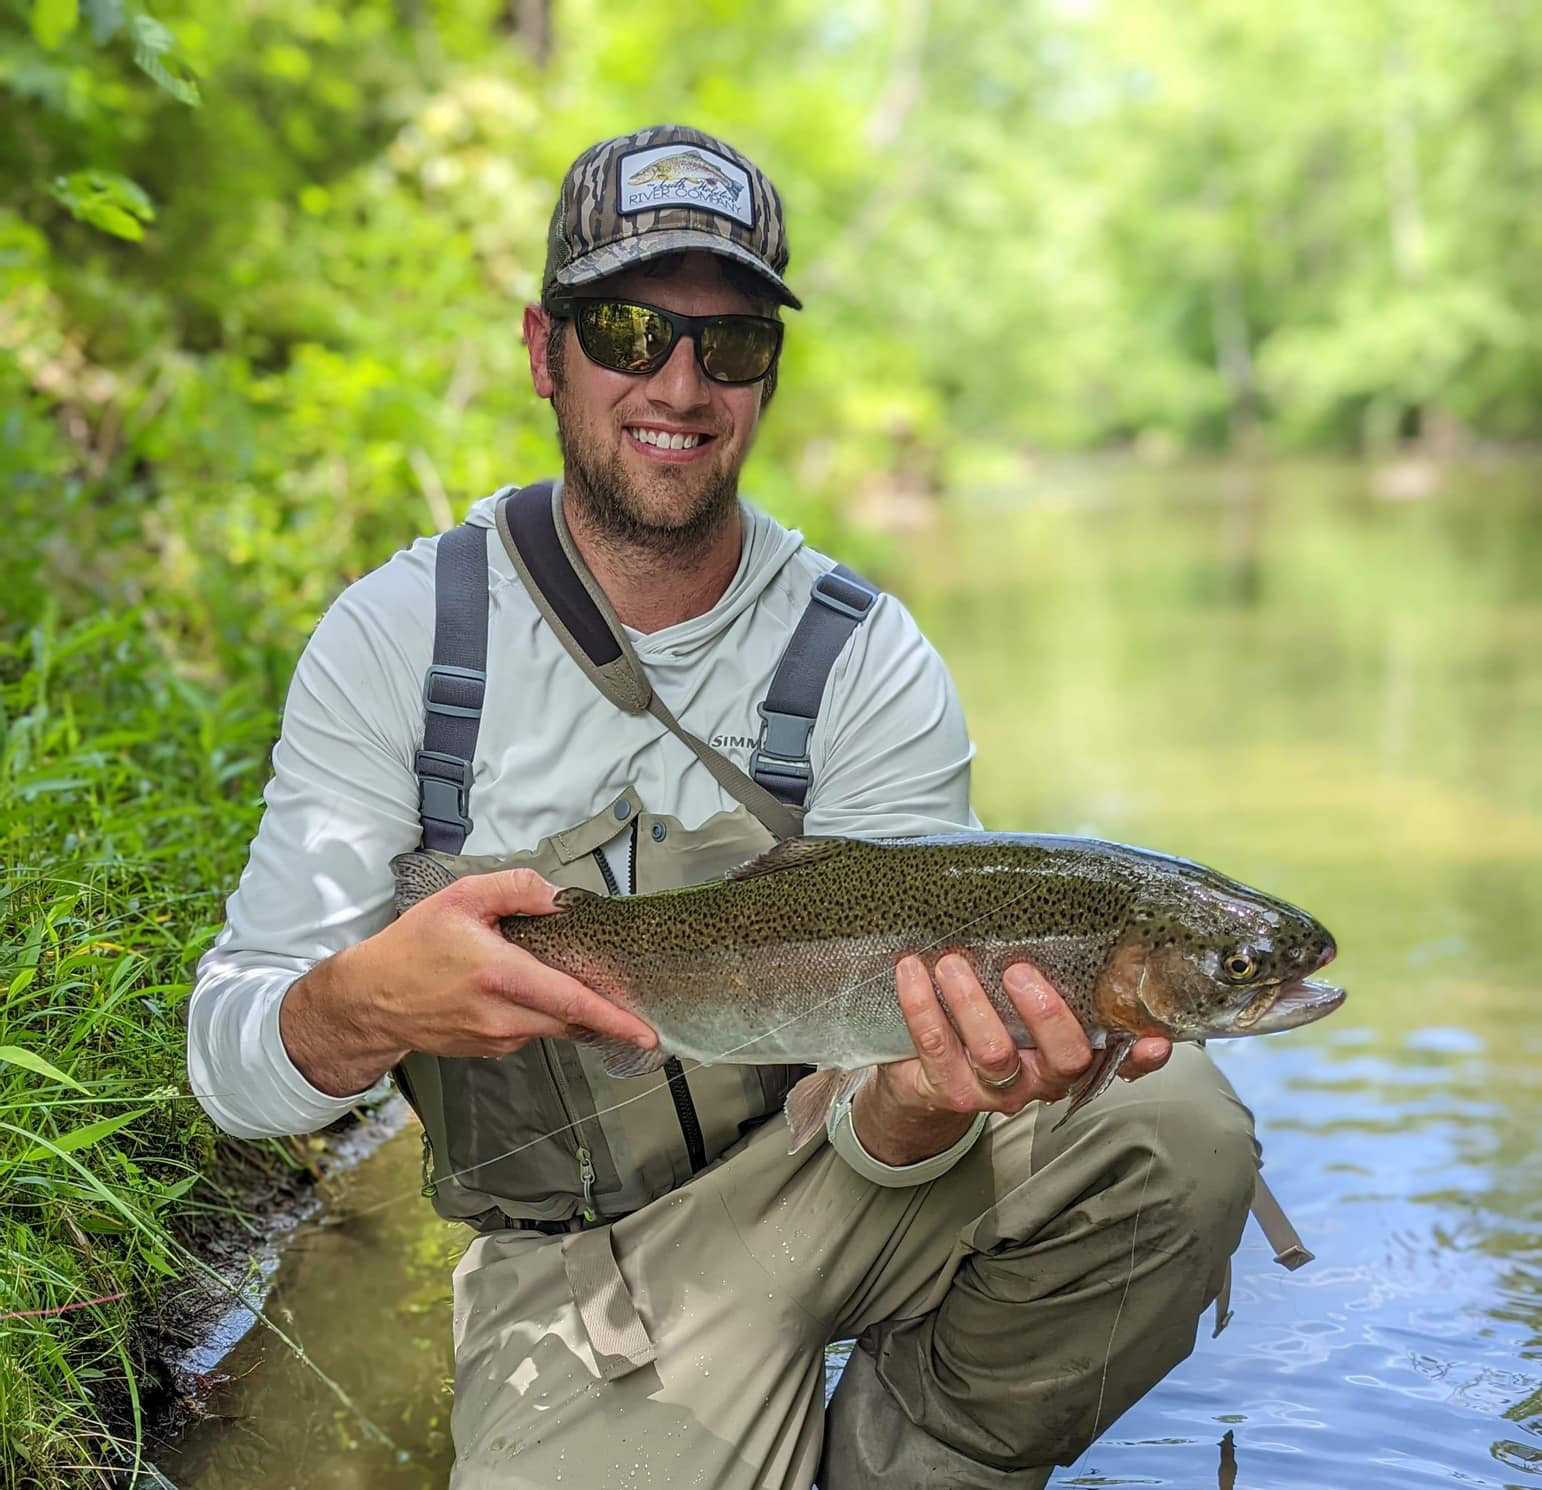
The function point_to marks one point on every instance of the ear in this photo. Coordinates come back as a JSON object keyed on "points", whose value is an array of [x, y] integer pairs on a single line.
{"points": [[537, 332]]}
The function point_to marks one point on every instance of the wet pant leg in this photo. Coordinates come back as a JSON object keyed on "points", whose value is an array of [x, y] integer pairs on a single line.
{"points": [[1068, 1297], [725, 1384], [986, 1304]]}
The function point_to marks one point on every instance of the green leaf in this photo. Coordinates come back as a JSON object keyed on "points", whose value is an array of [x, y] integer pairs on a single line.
{"points": [[52, 21], [155, 55], [82, 1138], [178, 1190], [25, 1058], [106, 18], [158, 1260], [118, 206]]}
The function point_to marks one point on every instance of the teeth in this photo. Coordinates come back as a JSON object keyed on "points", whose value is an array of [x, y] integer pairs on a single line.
{"points": [[665, 441]]}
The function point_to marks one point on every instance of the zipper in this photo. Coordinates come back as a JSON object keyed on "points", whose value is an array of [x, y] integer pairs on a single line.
{"points": [[608, 875], [586, 1179], [574, 1122], [674, 1072], [430, 1189]]}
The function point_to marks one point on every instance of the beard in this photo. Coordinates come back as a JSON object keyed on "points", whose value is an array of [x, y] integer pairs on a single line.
{"points": [[694, 509]]}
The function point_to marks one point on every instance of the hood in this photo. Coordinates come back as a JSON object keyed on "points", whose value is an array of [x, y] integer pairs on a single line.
{"points": [[766, 547]]}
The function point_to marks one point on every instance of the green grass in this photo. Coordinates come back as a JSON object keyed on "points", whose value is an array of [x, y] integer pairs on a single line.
{"points": [[128, 795]]}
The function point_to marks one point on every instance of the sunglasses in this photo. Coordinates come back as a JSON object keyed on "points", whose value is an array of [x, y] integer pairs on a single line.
{"points": [[630, 337]]}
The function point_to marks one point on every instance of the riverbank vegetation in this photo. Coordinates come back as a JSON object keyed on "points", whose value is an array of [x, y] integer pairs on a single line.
{"points": [[261, 268]]}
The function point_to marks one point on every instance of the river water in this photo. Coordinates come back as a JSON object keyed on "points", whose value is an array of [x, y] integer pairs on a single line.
{"points": [[1323, 681]]}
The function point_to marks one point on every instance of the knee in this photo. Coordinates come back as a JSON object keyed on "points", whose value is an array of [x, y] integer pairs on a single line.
{"points": [[1181, 1143]]}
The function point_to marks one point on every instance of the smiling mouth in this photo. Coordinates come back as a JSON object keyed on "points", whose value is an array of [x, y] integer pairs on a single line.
{"points": [[667, 442]]}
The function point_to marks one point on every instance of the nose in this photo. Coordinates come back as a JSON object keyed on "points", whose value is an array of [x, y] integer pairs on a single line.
{"points": [[680, 383]]}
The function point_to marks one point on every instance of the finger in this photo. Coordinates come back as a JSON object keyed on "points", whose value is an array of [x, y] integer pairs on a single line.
{"points": [[937, 1046], [1063, 1051], [525, 980], [511, 892], [1149, 1053], [990, 1050]]}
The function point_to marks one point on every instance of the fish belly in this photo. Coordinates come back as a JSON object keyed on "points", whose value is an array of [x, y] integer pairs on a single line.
{"points": [[793, 1004]]}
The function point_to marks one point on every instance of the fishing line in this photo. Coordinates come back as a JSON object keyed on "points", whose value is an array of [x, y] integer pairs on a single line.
{"points": [[1108, 1355], [237, 1295], [722, 1056]]}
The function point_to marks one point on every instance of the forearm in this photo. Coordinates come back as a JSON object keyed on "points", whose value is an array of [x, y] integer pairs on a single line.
{"points": [[331, 1030], [237, 1064]]}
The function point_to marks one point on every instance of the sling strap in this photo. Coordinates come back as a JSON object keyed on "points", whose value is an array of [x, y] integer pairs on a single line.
{"points": [[531, 524], [780, 761], [454, 688]]}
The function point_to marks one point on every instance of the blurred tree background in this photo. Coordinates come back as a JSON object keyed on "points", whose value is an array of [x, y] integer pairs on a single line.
{"points": [[262, 264]]}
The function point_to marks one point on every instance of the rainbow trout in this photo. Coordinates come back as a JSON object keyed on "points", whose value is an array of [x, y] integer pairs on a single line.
{"points": [[684, 166], [790, 958]]}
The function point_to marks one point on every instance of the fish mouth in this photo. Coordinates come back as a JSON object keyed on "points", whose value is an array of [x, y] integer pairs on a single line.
{"points": [[1288, 1006]]}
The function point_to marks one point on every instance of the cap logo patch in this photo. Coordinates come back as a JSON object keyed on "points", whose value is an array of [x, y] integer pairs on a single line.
{"points": [[685, 176]]}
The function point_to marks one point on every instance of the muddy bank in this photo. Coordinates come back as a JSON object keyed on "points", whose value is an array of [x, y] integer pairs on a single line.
{"points": [[272, 1201], [362, 1290]]}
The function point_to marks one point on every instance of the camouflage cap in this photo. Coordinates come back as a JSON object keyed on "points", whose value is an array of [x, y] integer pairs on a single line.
{"points": [[663, 190]]}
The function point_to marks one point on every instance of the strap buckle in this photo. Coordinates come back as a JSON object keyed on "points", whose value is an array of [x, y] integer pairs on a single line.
{"points": [[844, 596], [782, 751], [445, 690], [444, 786]]}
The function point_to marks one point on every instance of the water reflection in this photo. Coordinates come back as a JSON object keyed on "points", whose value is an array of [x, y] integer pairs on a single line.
{"points": [[1334, 696]]}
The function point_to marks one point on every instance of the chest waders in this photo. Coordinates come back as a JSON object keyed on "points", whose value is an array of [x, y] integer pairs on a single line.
{"points": [[526, 1139]]}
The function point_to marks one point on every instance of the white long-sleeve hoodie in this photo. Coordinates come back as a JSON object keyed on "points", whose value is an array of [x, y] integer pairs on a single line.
{"points": [[890, 756]]}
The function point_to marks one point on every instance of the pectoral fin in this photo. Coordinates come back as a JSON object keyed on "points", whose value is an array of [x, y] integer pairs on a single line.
{"points": [[1095, 1079], [621, 1057], [811, 1101]]}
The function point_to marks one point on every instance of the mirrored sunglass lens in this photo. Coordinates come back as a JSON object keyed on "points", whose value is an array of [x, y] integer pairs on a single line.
{"points": [[625, 337], [737, 351]]}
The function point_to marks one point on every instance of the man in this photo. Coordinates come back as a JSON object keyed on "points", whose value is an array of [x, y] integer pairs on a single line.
{"points": [[655, 1278]]}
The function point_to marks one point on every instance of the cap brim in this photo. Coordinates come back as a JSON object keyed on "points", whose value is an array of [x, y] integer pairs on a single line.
{"points": [[610, 258]]}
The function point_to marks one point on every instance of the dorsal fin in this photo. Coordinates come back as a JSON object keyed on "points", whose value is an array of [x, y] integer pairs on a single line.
{"points": [[418, 875], [790, 853], [573, 895]]}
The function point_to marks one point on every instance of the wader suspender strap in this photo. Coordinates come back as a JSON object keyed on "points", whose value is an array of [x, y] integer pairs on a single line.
{"points": [[780, 761], [1289, 1251], [573, 605], [453, 689]]}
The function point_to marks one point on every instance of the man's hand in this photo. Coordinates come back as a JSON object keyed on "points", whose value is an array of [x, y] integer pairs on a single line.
{"points": [[913, 1109], [441, 979]]}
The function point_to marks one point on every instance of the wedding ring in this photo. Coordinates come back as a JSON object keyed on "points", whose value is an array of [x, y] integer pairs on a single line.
{"points": [[1005, 1081]]}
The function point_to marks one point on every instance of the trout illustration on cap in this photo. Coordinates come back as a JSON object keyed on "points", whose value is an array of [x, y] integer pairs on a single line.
{"points": [[684, 166]]}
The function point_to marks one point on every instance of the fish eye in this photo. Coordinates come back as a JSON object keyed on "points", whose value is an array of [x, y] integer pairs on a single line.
{"points": [[1240, 966]]}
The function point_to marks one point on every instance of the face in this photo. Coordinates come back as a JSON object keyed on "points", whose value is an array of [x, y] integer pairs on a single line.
{"points": [[664, 499]]}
